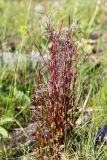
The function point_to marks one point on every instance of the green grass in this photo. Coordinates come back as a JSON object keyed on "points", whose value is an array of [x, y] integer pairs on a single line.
{"points": [[21, 24]]}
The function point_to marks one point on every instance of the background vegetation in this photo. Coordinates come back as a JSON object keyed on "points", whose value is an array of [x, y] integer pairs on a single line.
{"points": [[23, 22]]}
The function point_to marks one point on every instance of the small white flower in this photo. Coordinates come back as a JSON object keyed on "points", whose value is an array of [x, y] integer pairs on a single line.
{"points": [[39, 7]]}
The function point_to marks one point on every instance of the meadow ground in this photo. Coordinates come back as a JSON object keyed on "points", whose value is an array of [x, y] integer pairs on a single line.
{"points": [[23, 22]]}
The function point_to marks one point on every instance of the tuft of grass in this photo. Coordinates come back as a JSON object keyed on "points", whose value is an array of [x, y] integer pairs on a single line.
{"points": [[57, 95]]}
